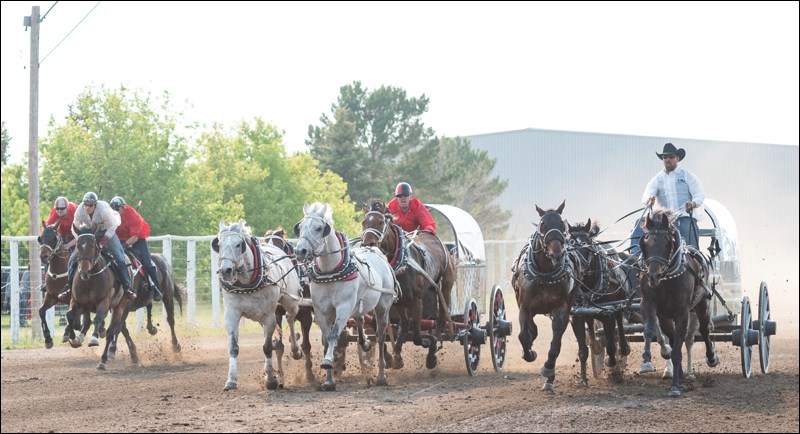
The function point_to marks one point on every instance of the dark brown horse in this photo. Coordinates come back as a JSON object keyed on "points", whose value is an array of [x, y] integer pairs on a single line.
{"points": [[305, 315], [94, 289], [421, 264], [144, 298], [53, 255], [543, 281], [604, 287], [673, 284]]}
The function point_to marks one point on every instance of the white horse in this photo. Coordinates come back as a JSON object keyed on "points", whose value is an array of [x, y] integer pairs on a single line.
{"points": [[345, 283], [255, 279]]}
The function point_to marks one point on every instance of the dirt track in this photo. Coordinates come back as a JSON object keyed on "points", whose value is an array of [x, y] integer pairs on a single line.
{"points": [[60, 390]]}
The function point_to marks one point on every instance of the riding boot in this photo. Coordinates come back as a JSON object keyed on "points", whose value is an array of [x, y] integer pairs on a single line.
{"points": [[153, 283], [157, 295], [129, 294], [66, 294]]}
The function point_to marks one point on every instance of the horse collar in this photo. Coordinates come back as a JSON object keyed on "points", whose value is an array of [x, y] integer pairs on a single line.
{"points": [[344, 271]]}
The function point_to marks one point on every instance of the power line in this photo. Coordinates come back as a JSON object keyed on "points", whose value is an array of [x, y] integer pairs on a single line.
{"points": [[70, 32], [48, 11]]}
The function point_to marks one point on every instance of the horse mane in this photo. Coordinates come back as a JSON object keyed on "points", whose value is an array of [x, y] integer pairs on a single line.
{"points": [[658, 214], [277, 232], [323, 210], [581, 227], [375, 204], [240, 227]]}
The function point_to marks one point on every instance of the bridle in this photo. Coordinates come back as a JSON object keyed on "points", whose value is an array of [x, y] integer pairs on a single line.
{"points": [[379, 234]]}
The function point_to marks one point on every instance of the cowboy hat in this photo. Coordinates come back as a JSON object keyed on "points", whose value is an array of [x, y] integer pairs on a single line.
{"points": [[669, 149]]}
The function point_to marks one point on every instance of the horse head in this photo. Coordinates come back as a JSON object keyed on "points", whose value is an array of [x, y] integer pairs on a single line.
{"points": [[660, 244], [311, 232], [231, 244], [552, 231], [87, 250], [49, 242], [376, 224]]}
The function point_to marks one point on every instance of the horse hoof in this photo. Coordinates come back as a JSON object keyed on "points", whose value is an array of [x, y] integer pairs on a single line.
{"points": [[529, 356], [49, 343], [272, 384], [547, 373], [112, 355], [666, 352], [93, 342], [134, 360], [675, 392], [713, 362], [327, 387], [397, 363], [74, 343], [176, 348], [548, 387], [326, 364], [102, 334], [367, 346], [381, 381], [230, 385], [65, 338], [101, 366], [430, 361], [152, 330], [297, 355], [647, 367]]}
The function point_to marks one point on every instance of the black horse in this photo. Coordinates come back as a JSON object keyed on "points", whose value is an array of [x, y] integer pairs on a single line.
{"points": [[543, 281], [674, 283], [144, 298], [604, 287]]}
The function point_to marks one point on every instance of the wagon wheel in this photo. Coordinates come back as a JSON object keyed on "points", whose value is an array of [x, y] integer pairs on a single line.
{"points": [[597, 348], [744, 341], [498, 327], [472, 348], [766, 327]]}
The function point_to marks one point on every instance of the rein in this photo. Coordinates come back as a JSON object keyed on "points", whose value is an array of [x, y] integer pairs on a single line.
{"points": [[676, 263]]}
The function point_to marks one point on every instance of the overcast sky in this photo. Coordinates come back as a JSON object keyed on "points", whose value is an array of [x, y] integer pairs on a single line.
{"points": [[719, 70]]}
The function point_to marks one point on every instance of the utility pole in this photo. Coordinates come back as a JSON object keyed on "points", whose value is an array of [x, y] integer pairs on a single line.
{"points": [[33, 177]]}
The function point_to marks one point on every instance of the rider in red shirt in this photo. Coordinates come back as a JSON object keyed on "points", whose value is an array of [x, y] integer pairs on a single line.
{"points": [[63, 212], [133, 231], [408, 212]]}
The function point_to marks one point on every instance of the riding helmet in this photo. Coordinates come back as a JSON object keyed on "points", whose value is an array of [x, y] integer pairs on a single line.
{"points": [[402, 188], [90, 198], [61, 202], [117, 203]]}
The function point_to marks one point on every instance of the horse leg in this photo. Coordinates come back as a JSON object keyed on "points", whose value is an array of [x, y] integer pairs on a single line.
{"points": [[336, 331], [365, 346], [273, 381], [73, 316], [681, 324], [667, 336], [380, 333], [169, 304], [129, 341], [650, 333], [579, 329], [119, 315], [100, 316], [704, 323], [47, 304], [624, 346], [400, 339], [150, 327], [232, 327], [291, 317], [560, 320], [527, 333], [611, 341], [305, 326]]}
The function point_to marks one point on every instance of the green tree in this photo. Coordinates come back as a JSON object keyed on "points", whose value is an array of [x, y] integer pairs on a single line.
{"points": [[368, 137], [6, 141], [15, 200], [376, 139], [120, 143], [247, 174]]}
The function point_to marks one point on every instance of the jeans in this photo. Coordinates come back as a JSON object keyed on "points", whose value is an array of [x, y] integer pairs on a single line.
{"points": [[687, 227], [142, 252]]}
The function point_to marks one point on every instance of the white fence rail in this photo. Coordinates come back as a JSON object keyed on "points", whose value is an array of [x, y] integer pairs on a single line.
{"points": [[194, 263]]}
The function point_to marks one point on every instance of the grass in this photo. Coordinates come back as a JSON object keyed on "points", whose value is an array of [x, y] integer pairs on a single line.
{"points": [[203, 327]]}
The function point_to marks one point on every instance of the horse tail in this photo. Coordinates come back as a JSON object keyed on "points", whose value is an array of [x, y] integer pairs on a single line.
{"points": [[179, 293]]}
